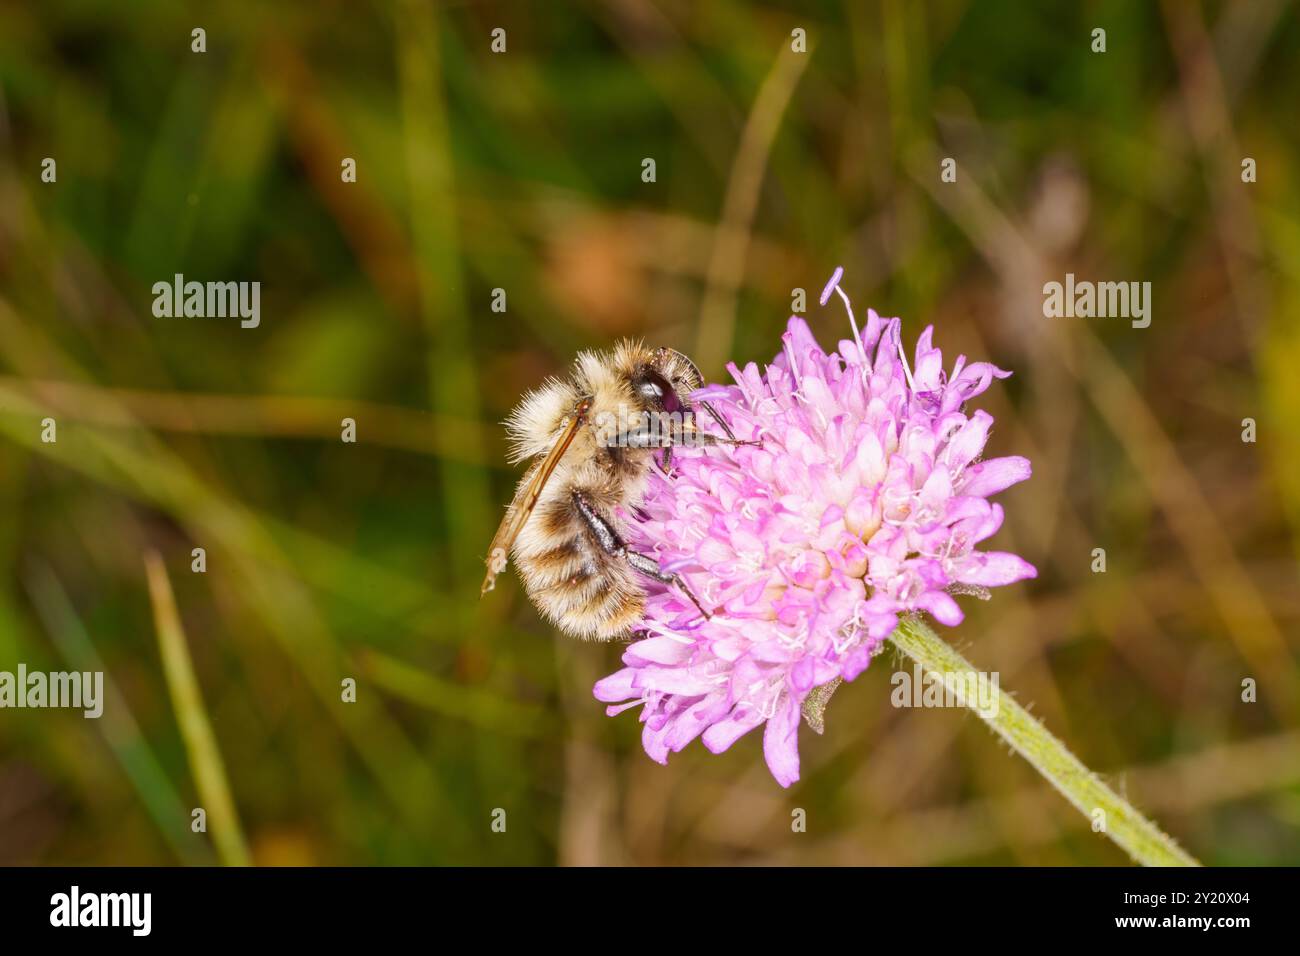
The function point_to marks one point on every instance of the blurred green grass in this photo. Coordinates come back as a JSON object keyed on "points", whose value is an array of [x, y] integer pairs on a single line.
{"points": [[522, 171]]}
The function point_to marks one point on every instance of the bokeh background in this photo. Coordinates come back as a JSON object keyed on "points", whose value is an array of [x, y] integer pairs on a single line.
{"points": [[522, 171]]}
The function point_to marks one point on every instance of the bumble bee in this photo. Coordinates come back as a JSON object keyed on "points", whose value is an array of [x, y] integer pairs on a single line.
{"points": [[592, 439]]}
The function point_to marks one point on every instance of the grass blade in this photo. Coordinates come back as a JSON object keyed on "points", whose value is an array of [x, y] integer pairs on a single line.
{"points": [[196, 729]]}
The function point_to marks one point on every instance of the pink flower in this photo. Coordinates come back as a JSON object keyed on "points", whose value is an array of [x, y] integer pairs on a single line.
{"points": [[865, 500]]}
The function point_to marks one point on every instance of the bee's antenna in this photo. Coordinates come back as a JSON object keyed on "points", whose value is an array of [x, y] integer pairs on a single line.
{"points": [[695, 369]]}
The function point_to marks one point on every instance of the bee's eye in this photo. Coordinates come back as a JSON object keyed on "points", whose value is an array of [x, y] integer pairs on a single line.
{"points": [[654, 388]]}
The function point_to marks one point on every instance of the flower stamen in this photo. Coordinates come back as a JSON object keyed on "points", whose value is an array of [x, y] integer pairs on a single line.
{"points": [[834, 286]]}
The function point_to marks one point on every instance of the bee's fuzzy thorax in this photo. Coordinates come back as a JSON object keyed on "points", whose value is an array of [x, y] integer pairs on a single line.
{"points": [[532, 425], [605, 379]]}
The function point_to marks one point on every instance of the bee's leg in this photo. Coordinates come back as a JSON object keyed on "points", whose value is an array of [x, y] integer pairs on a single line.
{"points": [[612, 544], [706, 440], [648, 565], [654, 438], [667, 463]]}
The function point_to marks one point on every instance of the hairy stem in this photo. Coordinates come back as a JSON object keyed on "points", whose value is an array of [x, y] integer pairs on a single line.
{"points": [[1138, 836]]}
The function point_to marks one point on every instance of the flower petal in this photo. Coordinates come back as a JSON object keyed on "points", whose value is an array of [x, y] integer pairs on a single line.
{"points": [[996, 474], [994, 568], [781, 743]]}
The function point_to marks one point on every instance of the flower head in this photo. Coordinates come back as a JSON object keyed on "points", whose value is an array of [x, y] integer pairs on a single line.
{"points": [[864, 500]]}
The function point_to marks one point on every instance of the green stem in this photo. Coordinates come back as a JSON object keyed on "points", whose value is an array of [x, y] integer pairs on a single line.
{"points": [[1138, 836]]}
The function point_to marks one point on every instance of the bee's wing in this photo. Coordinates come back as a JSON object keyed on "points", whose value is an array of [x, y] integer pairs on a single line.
{"points": [[525, 500]]}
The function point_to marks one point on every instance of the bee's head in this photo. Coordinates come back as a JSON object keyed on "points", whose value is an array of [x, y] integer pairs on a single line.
{"points": [[655, 391], [664, 382]]}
